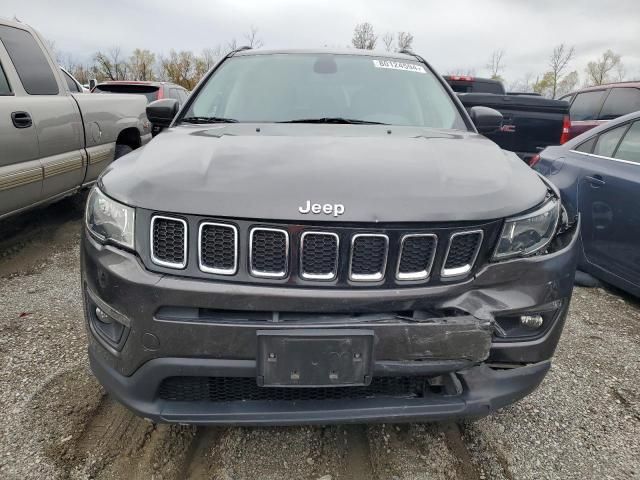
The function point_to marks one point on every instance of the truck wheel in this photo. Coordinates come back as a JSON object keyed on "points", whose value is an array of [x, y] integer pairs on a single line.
{"points": [[122, 150]]}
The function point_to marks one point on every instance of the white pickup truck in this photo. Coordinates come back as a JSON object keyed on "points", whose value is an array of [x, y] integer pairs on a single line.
{"points": [[54, 142]]}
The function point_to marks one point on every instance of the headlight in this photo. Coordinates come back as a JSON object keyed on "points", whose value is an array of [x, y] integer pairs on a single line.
{"points": [[109, 220], [527, 234]]}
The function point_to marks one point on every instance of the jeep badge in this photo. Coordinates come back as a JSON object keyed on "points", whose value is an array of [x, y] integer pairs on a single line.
{"points": [[336, 209]]}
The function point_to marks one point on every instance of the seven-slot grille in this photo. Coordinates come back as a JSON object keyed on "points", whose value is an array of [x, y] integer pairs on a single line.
{"points": [[368, 257], [269, 252], [462, 252], [264, 252], [218, 248], [319, 255], [416, 256], [169, 241]]}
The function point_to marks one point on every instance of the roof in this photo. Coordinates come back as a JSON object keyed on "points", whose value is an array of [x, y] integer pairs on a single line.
{"points": [[633, 83], [331, 51], [135, 82]]}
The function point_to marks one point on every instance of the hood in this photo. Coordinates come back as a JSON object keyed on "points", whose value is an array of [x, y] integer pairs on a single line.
{"points": [[377, 173]]}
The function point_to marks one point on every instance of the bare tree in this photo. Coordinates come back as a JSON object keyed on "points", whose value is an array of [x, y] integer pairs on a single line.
{"points": [[621, 72], [103, 67], [252, 38], [558, 63], [496, 65], [210, 57], [364, 37], [387, 39], [181, 68], [232, 45], [525, 84], [568, 84], [405, 41], [141, 64], [598, 71], [82, 73]]}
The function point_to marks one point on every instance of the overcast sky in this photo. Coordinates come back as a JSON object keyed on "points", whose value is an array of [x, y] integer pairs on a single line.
{"points": [[459, 34]]}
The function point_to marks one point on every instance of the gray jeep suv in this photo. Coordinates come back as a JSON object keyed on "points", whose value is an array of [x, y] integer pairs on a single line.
{"points": [[323, 236]]}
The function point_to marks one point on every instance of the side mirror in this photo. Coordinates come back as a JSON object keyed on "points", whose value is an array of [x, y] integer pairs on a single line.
{"points": [[486, 120], [92, 83], [161, 112]]}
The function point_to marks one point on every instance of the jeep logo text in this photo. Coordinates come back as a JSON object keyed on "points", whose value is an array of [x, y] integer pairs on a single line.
{"points": [[336, 209]]}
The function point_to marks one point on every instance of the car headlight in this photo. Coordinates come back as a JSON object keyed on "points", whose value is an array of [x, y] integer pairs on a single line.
{"points": [[529, 233], [109, 220]]}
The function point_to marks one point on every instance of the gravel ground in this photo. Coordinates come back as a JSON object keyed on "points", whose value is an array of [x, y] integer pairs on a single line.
{"points": [[56, 421]]}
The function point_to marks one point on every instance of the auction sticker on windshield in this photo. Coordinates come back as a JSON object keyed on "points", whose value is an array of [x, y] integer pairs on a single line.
{"points": [[395, 65]]}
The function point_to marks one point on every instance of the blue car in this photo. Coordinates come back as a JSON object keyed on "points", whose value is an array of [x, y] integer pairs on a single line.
{"points": [[598, 174]]}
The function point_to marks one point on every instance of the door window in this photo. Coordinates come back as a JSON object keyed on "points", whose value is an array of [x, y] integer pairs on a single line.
{"points": [[608, 141], [620, 102], [5, 89], [586, 106], [33, 69], [586, 147], [629, 148]]}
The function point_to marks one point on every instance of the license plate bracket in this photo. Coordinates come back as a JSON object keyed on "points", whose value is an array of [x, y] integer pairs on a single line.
{"points": [[314, 357]]}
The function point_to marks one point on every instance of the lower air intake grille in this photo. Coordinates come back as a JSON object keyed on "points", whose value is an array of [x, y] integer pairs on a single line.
{"points": [[463, 249], [416, 256], [269, 252], [234, 389], [368, 256], [319, 256], [169, 241], [218, 248]]}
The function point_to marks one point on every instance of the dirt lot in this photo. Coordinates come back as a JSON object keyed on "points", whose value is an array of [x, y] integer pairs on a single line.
{"points": [[56, 421]]}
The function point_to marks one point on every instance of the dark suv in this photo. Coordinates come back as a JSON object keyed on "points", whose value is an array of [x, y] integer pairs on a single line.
{"points": [[323, 236]]}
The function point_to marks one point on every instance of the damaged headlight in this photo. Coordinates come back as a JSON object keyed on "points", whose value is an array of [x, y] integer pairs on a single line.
{"points": [[109, 220], [527, 234]]}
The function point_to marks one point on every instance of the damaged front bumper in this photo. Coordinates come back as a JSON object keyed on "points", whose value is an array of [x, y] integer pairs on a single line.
{"points": [[436, 353]]}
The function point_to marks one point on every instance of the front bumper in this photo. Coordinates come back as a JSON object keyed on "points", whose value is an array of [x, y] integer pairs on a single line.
{"points": [[156, 347], [484, 391]]}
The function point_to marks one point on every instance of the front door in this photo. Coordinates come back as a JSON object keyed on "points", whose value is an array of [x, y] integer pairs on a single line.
{"points": [[609, 199], [20, 169]]}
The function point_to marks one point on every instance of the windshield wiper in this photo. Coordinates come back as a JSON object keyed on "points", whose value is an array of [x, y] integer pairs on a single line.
{"points": [[354, 121], [208, 120]]}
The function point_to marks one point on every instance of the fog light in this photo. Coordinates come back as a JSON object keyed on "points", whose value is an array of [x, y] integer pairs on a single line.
{"points": [[531, 321], [102, 316]]}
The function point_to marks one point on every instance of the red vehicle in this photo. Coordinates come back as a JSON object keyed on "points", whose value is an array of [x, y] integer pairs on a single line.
{"points": [[593, 106], [151, 90]]}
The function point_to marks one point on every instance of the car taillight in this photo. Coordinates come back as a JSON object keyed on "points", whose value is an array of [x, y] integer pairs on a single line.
{"points": [[466, 78], [566, 125], [159, 96], [533, 160]]}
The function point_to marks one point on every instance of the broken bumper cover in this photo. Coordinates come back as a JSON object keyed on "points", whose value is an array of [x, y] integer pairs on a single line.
{"points": [[484, 391], [165, 338]]}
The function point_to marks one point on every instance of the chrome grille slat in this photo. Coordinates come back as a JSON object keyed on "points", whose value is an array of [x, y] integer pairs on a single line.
{"points": [[369, 253], [319, 255], [268, 252], [169, 237], [462, 253], [417, 254], [218, 248]]}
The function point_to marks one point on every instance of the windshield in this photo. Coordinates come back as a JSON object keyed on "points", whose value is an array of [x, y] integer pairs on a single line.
{"points": [[301, 87]]}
